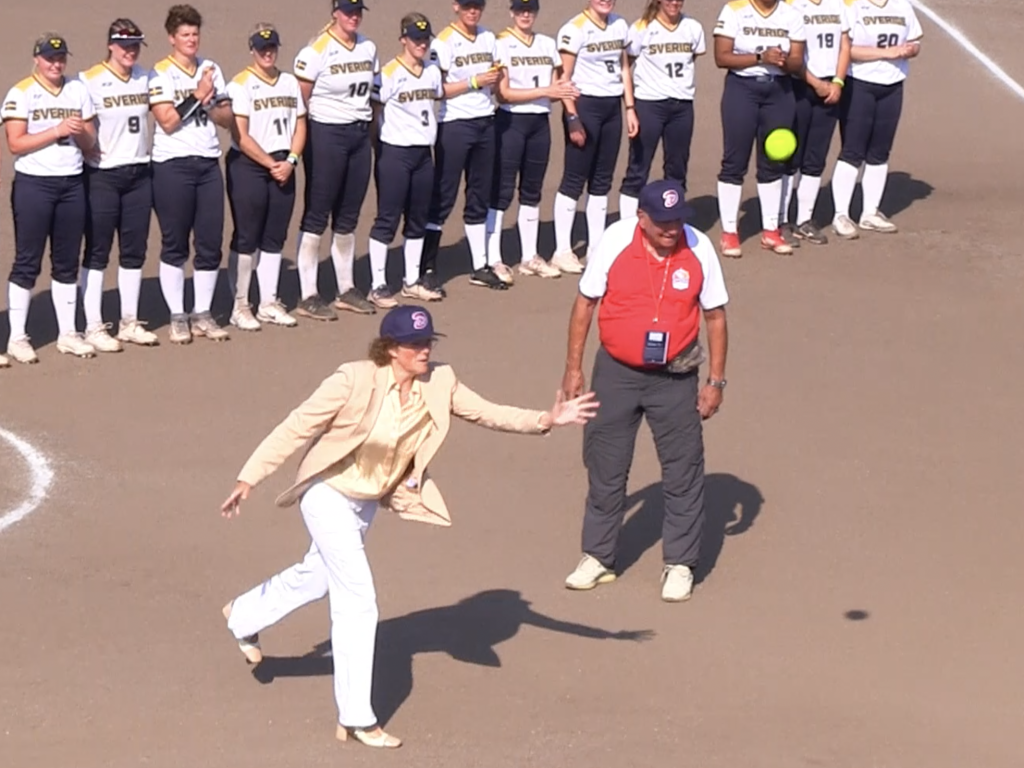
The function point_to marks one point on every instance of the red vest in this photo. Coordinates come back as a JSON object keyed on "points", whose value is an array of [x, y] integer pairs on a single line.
{"points": [[630, 302]]}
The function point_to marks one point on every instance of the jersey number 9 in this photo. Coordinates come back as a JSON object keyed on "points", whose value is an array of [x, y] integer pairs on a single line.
{"points": [[134, 124]]}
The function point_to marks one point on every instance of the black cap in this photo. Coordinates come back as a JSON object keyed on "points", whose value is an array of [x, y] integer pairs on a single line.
{"points": [[349, 6], [418, 30], [664, 202], [525, 6], [408, 324], [52, 46], [265, 38]]}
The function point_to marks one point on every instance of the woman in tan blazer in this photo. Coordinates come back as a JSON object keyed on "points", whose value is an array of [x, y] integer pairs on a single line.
{"points": [[374, 426]]}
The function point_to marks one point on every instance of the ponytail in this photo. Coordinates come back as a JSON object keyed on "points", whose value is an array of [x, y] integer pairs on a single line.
{"points": [[650, 11]]}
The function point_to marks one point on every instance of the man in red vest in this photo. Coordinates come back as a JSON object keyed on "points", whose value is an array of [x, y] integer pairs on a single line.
{"points": [[650, 280]]}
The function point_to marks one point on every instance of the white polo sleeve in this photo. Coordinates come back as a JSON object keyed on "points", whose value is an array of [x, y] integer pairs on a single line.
{"points": [[15, 105], [220, 88], [381, 91], [307, 64], [713, 293], [700, 46], [161, 88], [570, 39], [727, 25], [239, 96], [797, 30], [594, 280], [441, 54], [914, 31], [635, 40]]}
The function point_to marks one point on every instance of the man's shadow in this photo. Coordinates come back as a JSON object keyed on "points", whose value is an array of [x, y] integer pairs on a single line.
{"points": [[730, 507], [467, 631]]}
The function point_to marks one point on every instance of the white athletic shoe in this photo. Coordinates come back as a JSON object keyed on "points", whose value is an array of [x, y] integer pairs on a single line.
{"points": [[503, 272], [566, 261], [249, 646], [101, 340], [242, 318], [537, 266], [845, 228], [203, 324], [588, 574], [21, 351], [420, 292], [275, 314], [133, 332], [877, 222], [75, 344], [676, 583]]}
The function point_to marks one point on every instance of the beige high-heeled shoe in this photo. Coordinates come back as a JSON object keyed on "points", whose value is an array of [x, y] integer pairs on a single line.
{"points": [[376, 738]]}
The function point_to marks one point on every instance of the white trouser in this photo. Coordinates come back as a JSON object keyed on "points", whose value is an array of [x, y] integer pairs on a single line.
{"points": [[336, 564]]}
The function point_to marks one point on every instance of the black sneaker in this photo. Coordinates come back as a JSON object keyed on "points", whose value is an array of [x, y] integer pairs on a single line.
{"points": [[315, 308], [432, 282], [486, 278], [810, 232], [789, 235], [353, 301], [383, 297]]}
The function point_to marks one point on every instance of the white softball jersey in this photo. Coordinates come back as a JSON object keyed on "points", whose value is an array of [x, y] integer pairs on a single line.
{"points": [[409, 101], [665, 56], [753, 32], [342, 77], [825, 23], [122, 115], [460, 57], [43, 108], [273, 107], [598, 50], [888, 26], [170, 83], [528, 64]]}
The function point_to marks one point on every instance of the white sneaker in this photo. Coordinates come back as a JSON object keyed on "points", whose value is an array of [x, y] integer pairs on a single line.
{"points": [[249, 646], [275, 314], [566, 261], [537, 266], [503, 272], [877, 222], [676, 583], [242, 318], [21, 351], [845, 228], [101, 340], [75, 344], [588, 574], [203, 324], [133, 332], [420, 292]]}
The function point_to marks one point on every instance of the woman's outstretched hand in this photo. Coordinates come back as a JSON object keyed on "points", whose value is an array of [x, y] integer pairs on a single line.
{"points": [[579, 410], [233, 505]]}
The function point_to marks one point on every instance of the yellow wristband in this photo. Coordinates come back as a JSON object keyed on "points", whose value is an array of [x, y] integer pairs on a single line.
{"points": [[473, 84], [839, 81]]}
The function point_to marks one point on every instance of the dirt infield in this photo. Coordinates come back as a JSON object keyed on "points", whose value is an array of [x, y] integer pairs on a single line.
{"points": [[859, 602]]}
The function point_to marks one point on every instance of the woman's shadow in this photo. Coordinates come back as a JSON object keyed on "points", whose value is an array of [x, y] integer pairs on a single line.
{"points": [[467, 631]]}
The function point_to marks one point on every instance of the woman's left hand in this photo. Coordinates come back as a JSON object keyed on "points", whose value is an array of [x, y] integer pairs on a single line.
{"points": [[632, 123], [579, 410]]}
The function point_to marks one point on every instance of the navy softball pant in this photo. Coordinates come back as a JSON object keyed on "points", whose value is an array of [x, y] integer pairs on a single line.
{"points": [[868, 121], [47, 208], [463, 147], [814, 125], [261, 209], [337, 160], [669, 121], [188, 194], [405, 178], [593, 164], [118, 201], [753, 107], [524, 147]]}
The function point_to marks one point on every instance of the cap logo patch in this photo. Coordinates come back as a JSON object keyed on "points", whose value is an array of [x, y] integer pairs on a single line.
{"points": [[669, 198], [419, 320]]}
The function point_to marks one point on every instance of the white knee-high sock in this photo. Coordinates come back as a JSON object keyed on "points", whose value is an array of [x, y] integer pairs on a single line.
{"points": [[597, 220], [204, 281], [790, 184], [268, 275], [378, 264], [806, 198], [729, 198], [244, 263], [307, 261], [413, 252], [770, 196], [65, 302], [844, 180], [172, 286], [92, 297], [476, 236], [495, 221], [129, 286], [18, 300], [565, 216], [343, 254], [628, 206], [873, 184], [529, 227]]}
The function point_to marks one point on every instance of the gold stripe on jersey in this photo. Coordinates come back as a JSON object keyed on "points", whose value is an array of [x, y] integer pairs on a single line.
{"points": [[586, 16], [407, 68], [471, 38], [170, 61], [673, 27], [391, 67], [445, 33], [23, 85], [123, 78], [49, 88], [739, 5], [513, 32], [261, 77]]}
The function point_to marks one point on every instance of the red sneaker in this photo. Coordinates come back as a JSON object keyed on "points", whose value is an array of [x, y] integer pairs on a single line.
{"points": [[772, 240], [730, 245]]}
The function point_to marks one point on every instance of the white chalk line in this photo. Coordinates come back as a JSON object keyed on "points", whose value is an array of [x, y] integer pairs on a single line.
{"points": [[42, 478], [998, 72]]}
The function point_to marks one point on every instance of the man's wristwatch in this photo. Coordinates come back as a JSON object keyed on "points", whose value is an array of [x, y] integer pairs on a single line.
{"points": [[717, 384]]}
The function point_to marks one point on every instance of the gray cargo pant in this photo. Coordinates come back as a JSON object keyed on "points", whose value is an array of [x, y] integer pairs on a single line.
{"points": [[669, 402]]}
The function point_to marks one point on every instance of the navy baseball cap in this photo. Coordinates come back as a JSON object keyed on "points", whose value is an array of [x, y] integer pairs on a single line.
{"points": [[51, 46], [265, 38], [664, 201], [407, 324], [349, 6], [471, 3], [418, 30], [525, 6]]}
